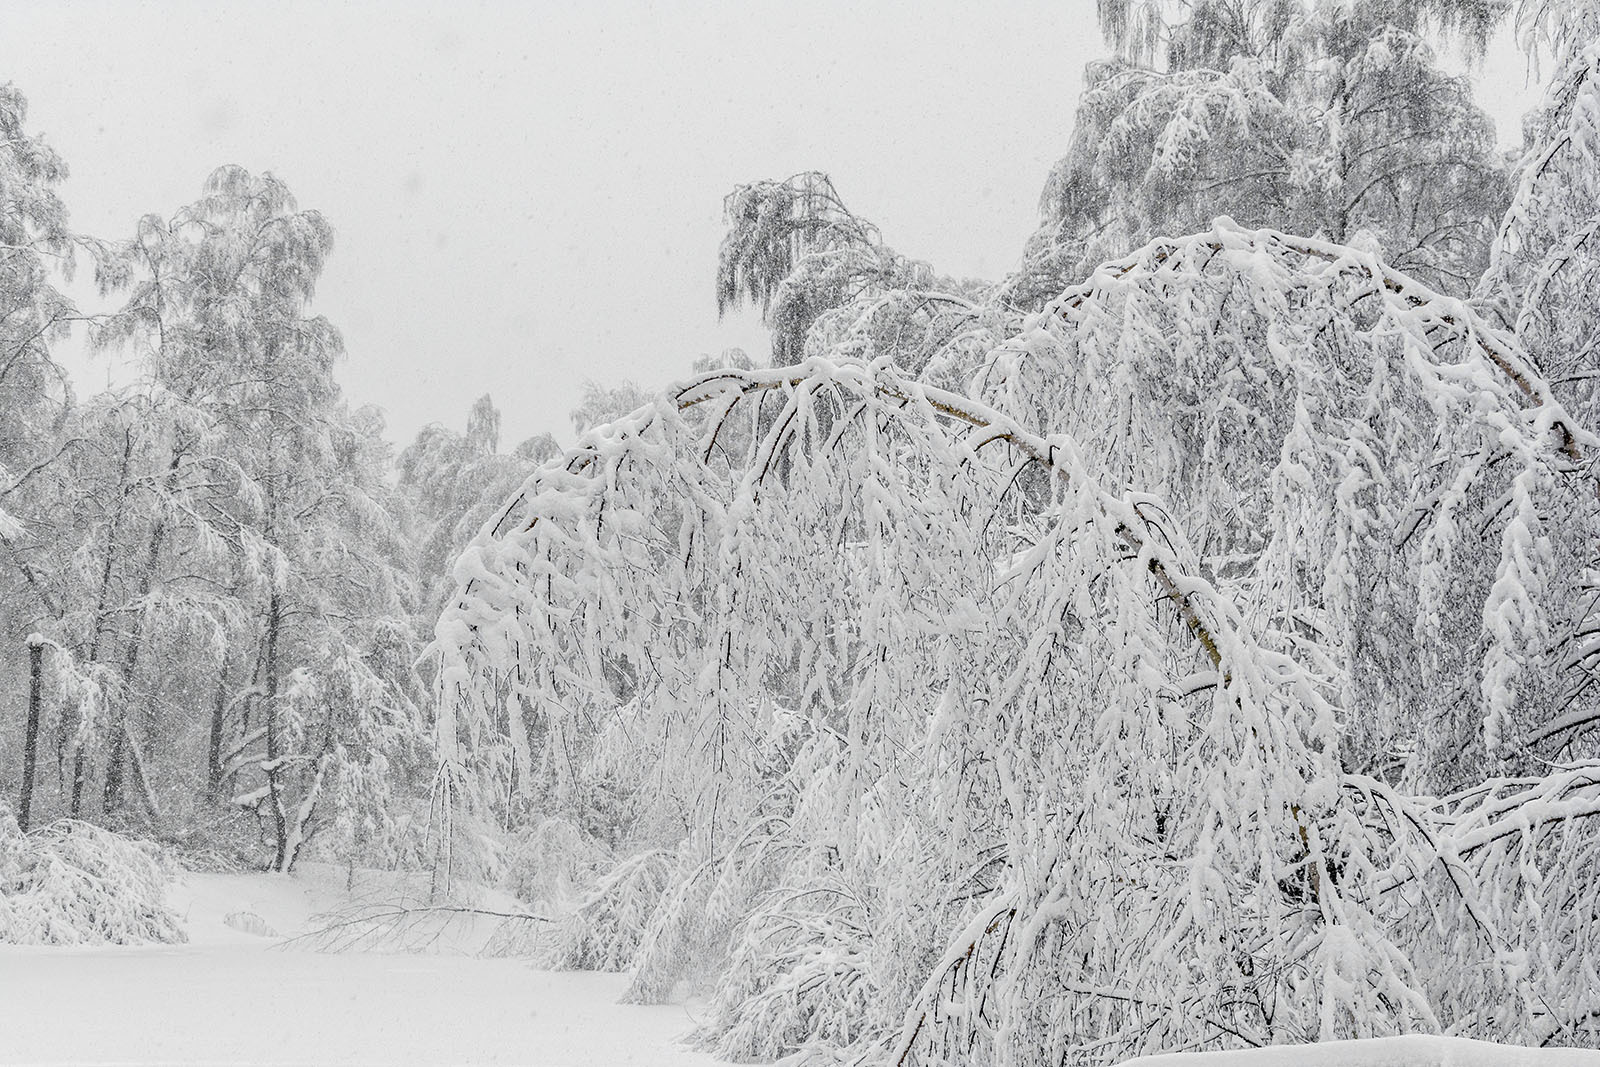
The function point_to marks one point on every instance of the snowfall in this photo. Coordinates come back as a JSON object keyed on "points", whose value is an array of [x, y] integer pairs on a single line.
{"points": [[250, 988]]}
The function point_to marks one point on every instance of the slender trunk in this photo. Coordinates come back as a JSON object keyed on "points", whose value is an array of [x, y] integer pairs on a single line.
{"points": [[298, 831], [214, 749], [112, 798], [30, 741], [255, 683], [141, 779], [63, 740], [280, 818], [73, 742]]}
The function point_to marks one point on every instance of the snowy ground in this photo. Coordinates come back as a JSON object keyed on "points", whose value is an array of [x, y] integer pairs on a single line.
{"points": [[234, 997], [238, 994], [1413, 1050]]}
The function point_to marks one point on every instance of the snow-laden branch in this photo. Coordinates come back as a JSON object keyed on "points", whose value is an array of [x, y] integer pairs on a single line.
{"points": [[1035, 719]]}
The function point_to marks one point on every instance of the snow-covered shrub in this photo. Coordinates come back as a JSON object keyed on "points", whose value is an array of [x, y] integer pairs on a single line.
{"points": [[554, 864], [73, 883], [799, 977], [202, 836], [605, 931]]}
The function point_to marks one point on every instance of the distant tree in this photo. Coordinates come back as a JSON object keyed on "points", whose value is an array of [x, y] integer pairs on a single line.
{"points": [[821, 274], [483, 427], [1326, 118], [795, 251], [34, 241], [453, 482], [602, 403], [305, 551], [728, 359]]}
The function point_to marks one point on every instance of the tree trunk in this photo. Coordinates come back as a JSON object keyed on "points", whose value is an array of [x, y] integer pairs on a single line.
{"points": [[141, 779], [113, 800], [102, 599], [30, 740], [74, 742], [298, 835], [274, 764], [214, 749]]}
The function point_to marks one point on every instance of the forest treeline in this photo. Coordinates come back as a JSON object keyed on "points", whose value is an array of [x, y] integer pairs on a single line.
{"points": [[232, 573], [1188, 640]]}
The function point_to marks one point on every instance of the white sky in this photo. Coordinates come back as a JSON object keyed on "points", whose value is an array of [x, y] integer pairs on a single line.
{"points": [[529, 195]]}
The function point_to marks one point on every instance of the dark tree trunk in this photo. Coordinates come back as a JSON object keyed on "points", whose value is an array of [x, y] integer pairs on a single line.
{"points": [[101, 610], [214, 749], [30, 740], [113, 800], [280, 818]]}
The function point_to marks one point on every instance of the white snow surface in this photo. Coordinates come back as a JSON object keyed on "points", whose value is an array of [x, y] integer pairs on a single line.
{"points": [[235, 997], [1411, 1050], [241, 992]]}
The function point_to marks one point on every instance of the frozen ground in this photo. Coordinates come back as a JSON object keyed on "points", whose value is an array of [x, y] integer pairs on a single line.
{"points": [[235, 997]]}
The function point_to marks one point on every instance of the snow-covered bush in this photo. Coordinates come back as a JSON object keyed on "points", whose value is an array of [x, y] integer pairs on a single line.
{"points": [[605, 931], [72, 883], [799, 975], [553, 863]]}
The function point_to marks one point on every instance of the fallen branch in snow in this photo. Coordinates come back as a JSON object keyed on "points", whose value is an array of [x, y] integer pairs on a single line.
{"points": [[398, 926]]}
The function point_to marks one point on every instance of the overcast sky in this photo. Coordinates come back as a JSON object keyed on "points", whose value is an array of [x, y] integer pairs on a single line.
{"points": [[528, 195]]}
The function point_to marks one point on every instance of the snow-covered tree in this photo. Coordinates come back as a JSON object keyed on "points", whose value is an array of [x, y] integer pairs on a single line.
{"points": [[1211, 667], [269, 499], [139, 536], [1542, 277], [452, 482], [1322, 117], [950, 735], [34, 243], [795, 250]]}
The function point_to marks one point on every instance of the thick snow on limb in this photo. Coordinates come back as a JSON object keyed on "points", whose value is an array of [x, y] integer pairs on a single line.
{"points": [[1350, 451], [1411, 1050], [1128, 701]]}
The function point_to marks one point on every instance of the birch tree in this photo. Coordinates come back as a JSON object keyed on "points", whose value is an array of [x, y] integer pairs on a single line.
{"points": [[308, 564], [1323, 118], [34, 241], [955, 738], [795, 250]]}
